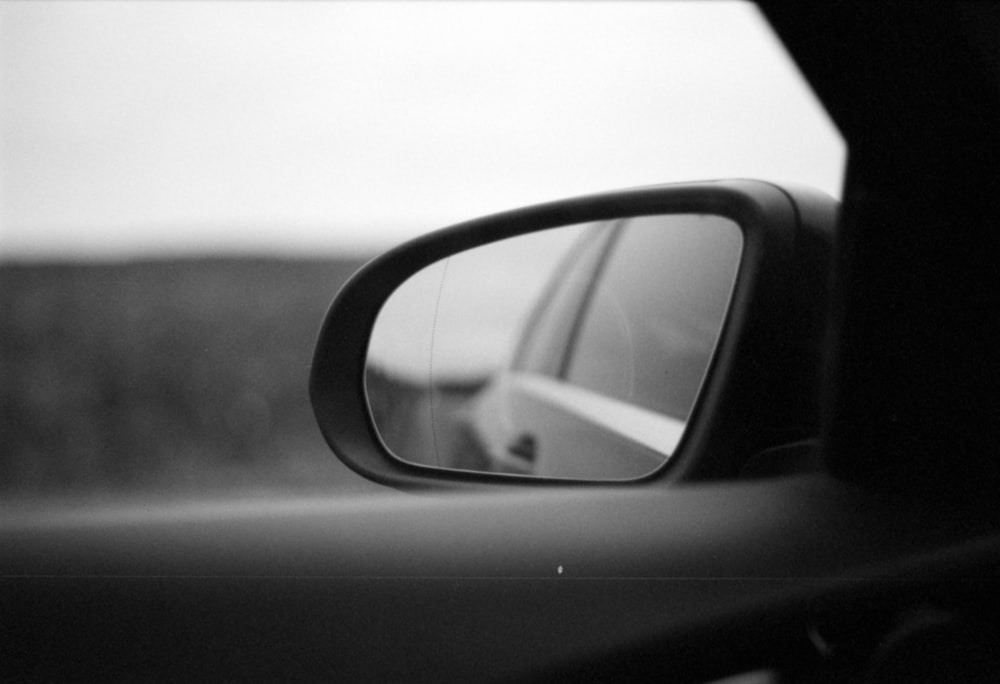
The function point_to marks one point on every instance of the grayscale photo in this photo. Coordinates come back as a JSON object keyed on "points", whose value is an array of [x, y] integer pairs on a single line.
{"points": [[432, 341]]}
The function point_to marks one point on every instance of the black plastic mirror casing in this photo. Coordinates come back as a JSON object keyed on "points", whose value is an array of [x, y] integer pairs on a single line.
{"points": [[762, 386]]}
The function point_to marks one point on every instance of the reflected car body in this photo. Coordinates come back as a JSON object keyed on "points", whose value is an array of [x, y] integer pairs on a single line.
{"points": [[535, 425], [611, 359]]}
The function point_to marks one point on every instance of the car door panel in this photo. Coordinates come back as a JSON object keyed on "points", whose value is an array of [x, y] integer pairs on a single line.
{"points": [[425, 587]]}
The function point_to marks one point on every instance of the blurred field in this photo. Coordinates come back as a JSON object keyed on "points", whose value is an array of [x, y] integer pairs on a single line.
{"points": [[184, 377]]}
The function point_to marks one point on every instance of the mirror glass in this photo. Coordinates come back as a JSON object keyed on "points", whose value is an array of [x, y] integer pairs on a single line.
{"points": [[573, 352]]}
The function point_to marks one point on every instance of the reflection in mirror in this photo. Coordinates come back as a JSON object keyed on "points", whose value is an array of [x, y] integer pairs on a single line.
{"points": [[574, 352]]}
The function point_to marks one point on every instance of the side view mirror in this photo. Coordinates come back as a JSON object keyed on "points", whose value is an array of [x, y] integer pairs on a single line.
{"points": [[575, 351], [661, 333]]}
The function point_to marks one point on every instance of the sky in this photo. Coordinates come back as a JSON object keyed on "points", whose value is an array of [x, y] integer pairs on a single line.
{"points": [[137, 129]]}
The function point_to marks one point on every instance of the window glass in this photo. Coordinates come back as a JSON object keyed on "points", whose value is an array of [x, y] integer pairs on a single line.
{"points": [[653, 318], [185, 185]]}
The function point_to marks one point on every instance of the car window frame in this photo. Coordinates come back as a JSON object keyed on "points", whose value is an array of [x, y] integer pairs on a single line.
{"points": [[597, 237]]}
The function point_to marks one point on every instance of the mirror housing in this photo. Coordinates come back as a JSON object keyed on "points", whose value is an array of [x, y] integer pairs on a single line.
{"points": [[759, 393]]}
